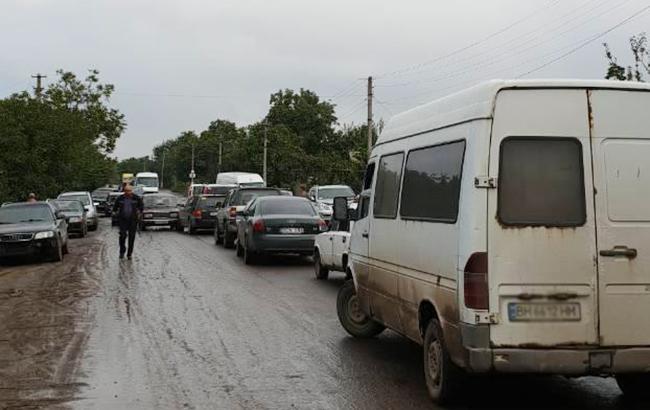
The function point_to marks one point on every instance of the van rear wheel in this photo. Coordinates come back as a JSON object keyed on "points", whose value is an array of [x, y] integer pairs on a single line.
{"points": [[353, 319], [442, 376], [634, 385]]}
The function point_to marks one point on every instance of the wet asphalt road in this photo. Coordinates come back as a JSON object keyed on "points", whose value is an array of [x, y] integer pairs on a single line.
{"points": [[187, 325]]}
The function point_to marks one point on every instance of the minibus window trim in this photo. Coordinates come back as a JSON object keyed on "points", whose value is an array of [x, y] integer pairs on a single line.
{"points": [[399, 187], [553, 223], [462, 167]]}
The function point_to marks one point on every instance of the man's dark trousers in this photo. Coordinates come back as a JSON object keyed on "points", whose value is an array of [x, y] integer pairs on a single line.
{"points": [[128, 227]]}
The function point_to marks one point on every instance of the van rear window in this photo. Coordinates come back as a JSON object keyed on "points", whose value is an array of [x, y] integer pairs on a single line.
{"points": [[541, 182]]}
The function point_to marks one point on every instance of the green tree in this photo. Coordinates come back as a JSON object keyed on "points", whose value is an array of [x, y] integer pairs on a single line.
{"points": [[641, 61]]}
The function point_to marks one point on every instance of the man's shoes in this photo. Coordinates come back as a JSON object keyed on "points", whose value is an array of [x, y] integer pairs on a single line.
{"points": [[130, 257], [121, 256]]}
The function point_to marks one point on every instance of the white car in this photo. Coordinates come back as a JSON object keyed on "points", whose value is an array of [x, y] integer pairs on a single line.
{"points": [[86, 199], [331, 250]]}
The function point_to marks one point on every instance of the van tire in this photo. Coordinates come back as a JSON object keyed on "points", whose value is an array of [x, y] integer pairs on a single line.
{"points": [[443, 378], [634, 385], [355, 322], [321, 272]]}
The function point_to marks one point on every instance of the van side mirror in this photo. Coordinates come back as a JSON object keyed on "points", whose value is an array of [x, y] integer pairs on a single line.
{"points": [[340, 209]]}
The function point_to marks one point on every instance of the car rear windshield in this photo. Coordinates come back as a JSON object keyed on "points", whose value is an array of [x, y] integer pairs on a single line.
{"points": [[217, 190], [209, 201], [159, 201], [287, 207], [541, 182], [81, 197], [244, 196], [25, 214], [331, 193], [74, 206]]}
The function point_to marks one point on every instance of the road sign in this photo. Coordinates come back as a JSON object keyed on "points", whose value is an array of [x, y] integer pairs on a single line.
{"points": [[192, 174]]}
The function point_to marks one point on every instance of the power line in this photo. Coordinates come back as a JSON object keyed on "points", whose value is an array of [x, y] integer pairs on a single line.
{"points": [[469, 46]]}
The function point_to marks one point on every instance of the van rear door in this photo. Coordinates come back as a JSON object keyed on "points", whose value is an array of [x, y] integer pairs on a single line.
{"points": [[542, 273], [621, 145]]}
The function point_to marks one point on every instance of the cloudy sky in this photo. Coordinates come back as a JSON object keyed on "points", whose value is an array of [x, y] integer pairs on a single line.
{"points": [[177, 65]]}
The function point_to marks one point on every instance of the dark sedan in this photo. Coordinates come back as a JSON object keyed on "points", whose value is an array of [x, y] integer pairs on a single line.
{"points": [[277, 224], [159, 210], [75, 215], [200, 213], [32, 229]]}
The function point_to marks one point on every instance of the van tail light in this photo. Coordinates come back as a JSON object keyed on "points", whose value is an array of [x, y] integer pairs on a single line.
{"points": [[232, 212], [197, 213], [476, 281], [322, 225], [258, 226]]}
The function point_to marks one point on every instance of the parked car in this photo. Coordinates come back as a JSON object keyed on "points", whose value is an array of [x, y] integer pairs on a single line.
{"points": [[200, 213], [100, 199], [112, 197], [89, 206], [277, 224], [226, 226], [75, 215], [323, 197], [33, 229], [331, 249], [240, 179], [160, 210], [543, 183]]}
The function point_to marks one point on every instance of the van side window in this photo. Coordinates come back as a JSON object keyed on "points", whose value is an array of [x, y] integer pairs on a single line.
{"points": [[432, 179], [364, 207], [387, 189], [541, 182], [370, 173]]}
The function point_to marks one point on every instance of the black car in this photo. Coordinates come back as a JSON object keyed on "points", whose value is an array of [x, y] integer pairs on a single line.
{"points": [[75, 215], [282, 224], [159, 210], [200, 213], [112, 197], [100, 198], [225, 229], [32, 229]]}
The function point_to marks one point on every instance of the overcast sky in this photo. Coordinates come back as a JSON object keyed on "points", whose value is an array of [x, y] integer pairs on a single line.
{"points": [[177, 65]]}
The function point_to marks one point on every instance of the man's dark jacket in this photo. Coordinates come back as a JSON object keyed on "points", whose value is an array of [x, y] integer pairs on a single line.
{"points": [[137, 209]]}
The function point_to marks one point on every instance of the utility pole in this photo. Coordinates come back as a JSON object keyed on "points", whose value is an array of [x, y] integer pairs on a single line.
{"points": [[370, 123], [162, 171], [265, 150], [39, 88]]}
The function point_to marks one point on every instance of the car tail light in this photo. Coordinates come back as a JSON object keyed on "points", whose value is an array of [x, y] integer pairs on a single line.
{"points": [[232, 212], [476, 281], [322, 225], [258, 226], [197, 213]]}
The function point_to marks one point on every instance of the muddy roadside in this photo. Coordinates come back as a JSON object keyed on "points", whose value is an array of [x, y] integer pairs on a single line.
{"points": [[46, 315]]}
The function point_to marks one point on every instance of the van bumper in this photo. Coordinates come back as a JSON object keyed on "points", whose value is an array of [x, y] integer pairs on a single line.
{"points": [[563, 360]]}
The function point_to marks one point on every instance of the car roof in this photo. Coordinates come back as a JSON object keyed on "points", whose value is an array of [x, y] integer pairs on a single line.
{"points": [[282, 198], [74, 193], [259, 188], [333, 186], [23, 204]]}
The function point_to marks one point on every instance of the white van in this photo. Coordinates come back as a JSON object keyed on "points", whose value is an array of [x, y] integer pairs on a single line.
{"points": [[148, 181], [507, 229], [240, 179]]}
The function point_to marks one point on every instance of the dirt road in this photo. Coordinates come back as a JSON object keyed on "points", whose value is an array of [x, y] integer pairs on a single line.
{"points": [[187, 325]]}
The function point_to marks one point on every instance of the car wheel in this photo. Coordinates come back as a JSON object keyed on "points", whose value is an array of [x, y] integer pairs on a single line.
{"points": [[178, 226], [143, 227], [249, 255], [94, 227], [191, 229], [634, 385], [83, 232], [64, 249], [353, 319], [240, 249], [57, 253], [320, 271], [442, 376]]}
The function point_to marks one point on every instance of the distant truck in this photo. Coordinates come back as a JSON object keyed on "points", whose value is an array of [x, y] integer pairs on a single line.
{"points": [[127, 178], [240, 179], [148, 181]]}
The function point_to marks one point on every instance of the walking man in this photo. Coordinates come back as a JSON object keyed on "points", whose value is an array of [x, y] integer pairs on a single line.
{"points": [[129, 209]]}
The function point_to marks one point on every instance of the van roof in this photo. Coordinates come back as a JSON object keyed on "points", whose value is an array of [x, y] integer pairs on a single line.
{"points": [[478, 103], [146, 174]]}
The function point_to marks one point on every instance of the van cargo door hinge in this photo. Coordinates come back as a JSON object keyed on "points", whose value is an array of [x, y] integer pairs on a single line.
{"points": [[485, 182], [486, 318]]}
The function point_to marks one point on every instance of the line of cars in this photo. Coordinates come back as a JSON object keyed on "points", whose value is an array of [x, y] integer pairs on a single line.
{"points": [[43, 228]]}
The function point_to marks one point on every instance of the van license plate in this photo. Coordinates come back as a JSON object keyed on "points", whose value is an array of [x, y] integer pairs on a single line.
{"points": [[543, 312], [292, 230]]}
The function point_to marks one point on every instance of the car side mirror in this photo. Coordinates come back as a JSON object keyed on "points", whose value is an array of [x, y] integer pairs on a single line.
{"points": [[340, 209], [87, 207], [219, 205], [60, 215]]}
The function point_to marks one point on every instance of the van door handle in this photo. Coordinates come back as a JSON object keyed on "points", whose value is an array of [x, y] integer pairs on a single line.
{"points": [[619, 251], [365, 234]]}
